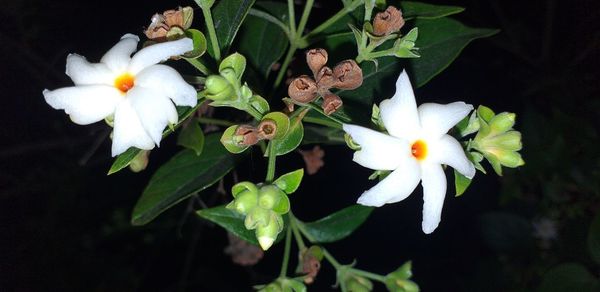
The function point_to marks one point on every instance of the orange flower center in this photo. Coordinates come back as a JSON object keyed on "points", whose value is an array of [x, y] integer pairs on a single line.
{"points": [[124, 82], [419, 149]]}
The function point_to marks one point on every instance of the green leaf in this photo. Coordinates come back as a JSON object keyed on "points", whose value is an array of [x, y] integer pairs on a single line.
{"points": [[231, 220], [337, 225], [461, 183], [569, 277], [125, 158], [291, 140], [440, 42], [593, 239], [290, 181], [183, 175], [427, 11], [228, 16], [323, 135], [262, 42], [192, 137]]}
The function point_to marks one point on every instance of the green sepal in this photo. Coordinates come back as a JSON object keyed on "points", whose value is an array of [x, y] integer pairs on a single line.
{"points": [[282, 206], [235, 61], [404, 47], [199, 41], [259, 104], [461, 183], [292, 139], [243, 186], [230, 142], [290, 182]]}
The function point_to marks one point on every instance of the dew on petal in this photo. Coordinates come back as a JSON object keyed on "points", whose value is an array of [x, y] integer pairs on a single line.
{"points": [[419, 150], [124, 82]]}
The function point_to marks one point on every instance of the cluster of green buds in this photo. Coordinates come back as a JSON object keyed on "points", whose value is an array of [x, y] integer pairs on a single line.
{"points": [[226, 89], [496, 140], [264, 204], [386, 26]]}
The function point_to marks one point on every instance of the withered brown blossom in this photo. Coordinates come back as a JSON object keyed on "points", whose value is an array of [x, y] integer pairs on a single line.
{"points": [[345, 75], [388, 21], [162, 23], [313, 159], [249, 135], [267, 129], [241, 252], [310, 267]]}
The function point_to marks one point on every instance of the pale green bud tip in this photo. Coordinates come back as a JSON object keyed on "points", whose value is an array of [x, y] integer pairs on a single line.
{"points": [[217, 87], [265, 242], [502, 122]]}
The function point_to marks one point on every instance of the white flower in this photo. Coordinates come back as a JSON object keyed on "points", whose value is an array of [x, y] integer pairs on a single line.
{"points": [[415, 149], [135, 90]]}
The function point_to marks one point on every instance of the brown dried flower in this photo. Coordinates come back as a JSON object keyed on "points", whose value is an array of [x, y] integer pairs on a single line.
{"points": [[313, 159], [267, 129], [310, 267], [249, 135], [162, 23], [331, 103], [324, 79], [303, 89], [348, 75], [388, 21], [316, 59]]}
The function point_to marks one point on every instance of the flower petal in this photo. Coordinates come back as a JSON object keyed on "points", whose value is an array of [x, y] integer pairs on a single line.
{"points": [[154, 110], [165, 79], [437, 119], [378, 151], [153, 54], [85, 104], [83, 72], [118, 57], [448, 151], [399, 114], [128, 130], [395, 187], [434, 192]]}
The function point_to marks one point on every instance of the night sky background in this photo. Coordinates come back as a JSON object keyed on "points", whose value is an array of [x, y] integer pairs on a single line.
{"points": [[64, 224]]}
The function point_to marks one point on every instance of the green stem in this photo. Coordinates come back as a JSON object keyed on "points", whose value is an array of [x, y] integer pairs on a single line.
{"points": [[212, 33], [198, 65], [297, 235], [211, 121], [304, 19], [286, 253], [369, 275], [271, 163], [331, 259], [292, 19], [326, 123], [333, 19]]}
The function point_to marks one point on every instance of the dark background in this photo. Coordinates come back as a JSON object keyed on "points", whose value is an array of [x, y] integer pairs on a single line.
{"points": [[64, 224]]}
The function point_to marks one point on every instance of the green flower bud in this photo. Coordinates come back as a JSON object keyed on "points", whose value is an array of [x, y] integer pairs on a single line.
{"points": [[399, 285], [509, 158], [245, 202], [502, 122], [140, 161], [510, 141], [257, 217], [269, 196], [273, 287], [218, 88], [266, 235], [358, 284]]}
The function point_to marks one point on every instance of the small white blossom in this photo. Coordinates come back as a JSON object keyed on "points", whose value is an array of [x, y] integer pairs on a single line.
{"points": [[135, 91], [415, 149]]}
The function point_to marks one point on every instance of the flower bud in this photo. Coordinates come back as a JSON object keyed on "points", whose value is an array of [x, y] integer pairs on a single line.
{"points": [[348, 75], [509, 158], [245, 202], [510, 141], [247, 135], [358, 284], [218, 88], [502, 122], [267, 234], [140, 161], [269, 196], [388, 21], [324, 79], [303, 89], [331, 103], [257, 217], [316, 59], [267, 129]]}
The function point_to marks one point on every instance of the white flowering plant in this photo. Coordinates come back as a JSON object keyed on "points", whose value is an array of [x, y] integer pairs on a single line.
{"points": [[243, 60]]}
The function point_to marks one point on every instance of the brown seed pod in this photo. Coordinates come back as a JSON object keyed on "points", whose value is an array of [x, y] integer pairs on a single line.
{"points": [[249, 135], [316, 59], [331, 103], [303, 89], [388, 21], [267, 129], [347, 75], [324, 79]]}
